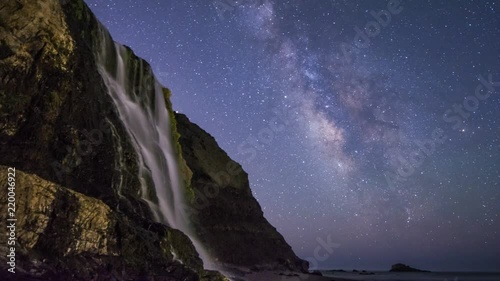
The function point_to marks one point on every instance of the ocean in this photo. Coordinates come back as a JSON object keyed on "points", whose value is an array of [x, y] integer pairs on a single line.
{"points": [[417, 276]]}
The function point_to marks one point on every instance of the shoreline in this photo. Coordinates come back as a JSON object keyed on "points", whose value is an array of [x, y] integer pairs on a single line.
{"points": [[288, 276]]}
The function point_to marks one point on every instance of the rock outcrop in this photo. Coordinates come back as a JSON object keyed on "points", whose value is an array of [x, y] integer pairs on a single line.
{"points": [[65, 235], [80, 212], [225, 214], [400, 267], [60, 130]]}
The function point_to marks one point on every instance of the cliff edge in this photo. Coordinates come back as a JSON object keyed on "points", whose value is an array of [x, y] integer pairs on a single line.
{"points": [[225, 214], [78, 190]]}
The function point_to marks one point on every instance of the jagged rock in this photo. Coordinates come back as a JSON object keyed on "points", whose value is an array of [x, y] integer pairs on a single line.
{"points": [[57, 120], [64, 233], [59, 125], [83, 215]]}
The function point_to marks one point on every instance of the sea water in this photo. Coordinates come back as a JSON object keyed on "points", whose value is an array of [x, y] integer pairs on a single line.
{"points": [[417, 276]]}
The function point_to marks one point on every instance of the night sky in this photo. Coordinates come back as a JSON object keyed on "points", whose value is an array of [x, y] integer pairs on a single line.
{"points": [[386, 144]]}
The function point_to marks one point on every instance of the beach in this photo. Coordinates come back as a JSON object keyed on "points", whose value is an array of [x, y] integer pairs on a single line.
{"points": [[287, 276]]}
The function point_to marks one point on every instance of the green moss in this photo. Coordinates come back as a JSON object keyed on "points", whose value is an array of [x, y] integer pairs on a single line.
{"points": [[186, 173], [184, 250], [79, 9]]}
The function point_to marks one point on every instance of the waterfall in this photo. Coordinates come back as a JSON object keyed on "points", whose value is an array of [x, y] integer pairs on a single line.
{"points": [[139, 100]]}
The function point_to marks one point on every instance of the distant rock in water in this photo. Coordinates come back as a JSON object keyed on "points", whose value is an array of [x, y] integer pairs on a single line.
{"points": [[400, 267]]}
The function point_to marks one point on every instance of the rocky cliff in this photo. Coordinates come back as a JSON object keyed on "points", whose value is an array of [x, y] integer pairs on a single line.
{"points": [[226, 215], [79, 210], [65, 235]]}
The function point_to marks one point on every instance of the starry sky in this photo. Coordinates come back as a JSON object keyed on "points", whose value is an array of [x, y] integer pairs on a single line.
{"points": [[371, 125]]}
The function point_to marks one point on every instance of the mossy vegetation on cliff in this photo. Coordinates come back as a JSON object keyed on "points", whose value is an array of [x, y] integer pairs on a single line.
{"points": [[185, 171], [226, 215], [51, 94]]}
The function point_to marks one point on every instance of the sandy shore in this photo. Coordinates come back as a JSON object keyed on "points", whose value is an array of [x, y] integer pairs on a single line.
{"points": [[275, 276]]}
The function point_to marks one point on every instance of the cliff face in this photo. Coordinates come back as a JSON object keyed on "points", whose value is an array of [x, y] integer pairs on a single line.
{"points": [[79, 206], [56, 119], [65, 235], [225, 214]]}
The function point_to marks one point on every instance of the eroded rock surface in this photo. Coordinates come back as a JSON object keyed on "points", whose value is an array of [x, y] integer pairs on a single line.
{"points": [[226, 215], [79, 206]]}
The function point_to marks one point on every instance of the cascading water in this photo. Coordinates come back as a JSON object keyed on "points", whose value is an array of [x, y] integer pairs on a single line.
{"points": [[140, 103]]}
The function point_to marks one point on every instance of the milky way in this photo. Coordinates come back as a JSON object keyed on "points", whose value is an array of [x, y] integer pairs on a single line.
{"points": [[372, 124]]}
